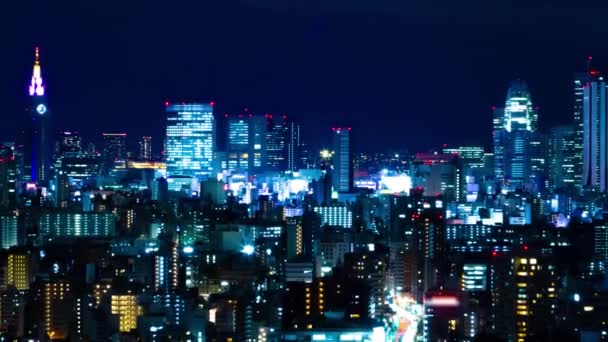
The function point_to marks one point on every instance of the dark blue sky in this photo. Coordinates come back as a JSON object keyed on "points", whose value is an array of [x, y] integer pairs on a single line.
{"points": [[404, 75]]}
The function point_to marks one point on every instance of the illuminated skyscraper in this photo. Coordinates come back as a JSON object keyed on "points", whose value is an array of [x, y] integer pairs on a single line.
{"points": [[342, 177], [276, 143], [247, 139], [580, 78], [515, 140], [595, 133], [39, 145], [562, 160], [190, 140], [145, 148]]}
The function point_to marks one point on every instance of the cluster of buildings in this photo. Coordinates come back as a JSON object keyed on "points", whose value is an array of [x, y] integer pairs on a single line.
{"points": [[237, 231]]}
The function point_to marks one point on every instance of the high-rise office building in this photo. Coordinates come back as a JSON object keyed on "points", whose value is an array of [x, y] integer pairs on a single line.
{"points": [[595, 133], [562, 160], [114, 149], [497, 137], [342, 177], [38, 149], [257, 138], [190, 140], [580, 80], [294, 145], [247, 141], [515, 138], [276, 142], [145, 148]]}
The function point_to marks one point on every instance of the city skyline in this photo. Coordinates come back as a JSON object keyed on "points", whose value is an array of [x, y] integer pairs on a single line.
{"points": [[270, 171], [292, 85]]}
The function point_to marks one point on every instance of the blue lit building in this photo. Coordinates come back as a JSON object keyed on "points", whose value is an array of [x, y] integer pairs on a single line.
{"points": [[595, 133], [63, 224], [38, 146], [247, 143], [342, 177], [190, 140], [276, 143], [515, 139]]}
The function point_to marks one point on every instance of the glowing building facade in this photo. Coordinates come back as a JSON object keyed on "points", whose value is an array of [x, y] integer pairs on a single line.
{"points": [[294, 146], [335, 216], [145, 148], [190, 140], [128, 310], [67, 224], [276, 142], [562, 163], [9, 231], [595, 133], [247, 143], [18, 270], [516, 144], [342, 177]]}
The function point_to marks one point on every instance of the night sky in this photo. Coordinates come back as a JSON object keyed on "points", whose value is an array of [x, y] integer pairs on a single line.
{"points": [[403, 75]]}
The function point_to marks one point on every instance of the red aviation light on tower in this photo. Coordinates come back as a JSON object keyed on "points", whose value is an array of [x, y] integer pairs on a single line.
{"points": [[212, 103], [167, 103]]}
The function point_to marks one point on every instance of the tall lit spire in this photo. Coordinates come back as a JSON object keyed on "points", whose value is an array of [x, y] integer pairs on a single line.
{"points": [[36, 86]]}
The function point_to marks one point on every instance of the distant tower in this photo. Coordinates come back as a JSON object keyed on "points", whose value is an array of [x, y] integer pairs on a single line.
{"points": [[39, 144], [114, 148], [342, 177], [145, 148], [293, 147]]}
